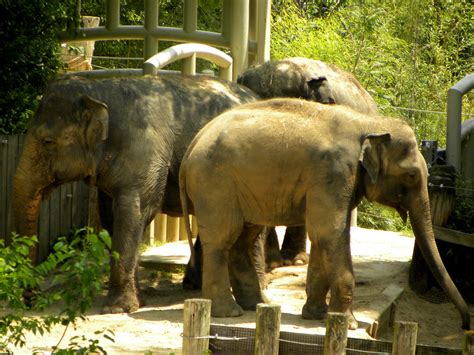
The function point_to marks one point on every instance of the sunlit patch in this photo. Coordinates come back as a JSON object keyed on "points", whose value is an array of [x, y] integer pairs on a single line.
{"points": [[220, 88], [283, 67]]}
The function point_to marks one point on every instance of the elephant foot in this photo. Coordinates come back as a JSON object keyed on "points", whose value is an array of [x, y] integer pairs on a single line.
{"points": [[352, 322], [273, 260], [121, 303], [314, 312], [320, 312], [222, 308], [250, 303], [290, 257]]}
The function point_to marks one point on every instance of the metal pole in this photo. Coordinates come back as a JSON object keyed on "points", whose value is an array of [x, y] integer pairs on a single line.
{"points": [[239, 35], [263, 31], [453, 139], [253, 27], [113, 15], [189, 26], [190, 16], [151, 23]]}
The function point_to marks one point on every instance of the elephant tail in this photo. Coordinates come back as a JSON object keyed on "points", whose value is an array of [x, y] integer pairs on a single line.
{"points": [[184, 206]]}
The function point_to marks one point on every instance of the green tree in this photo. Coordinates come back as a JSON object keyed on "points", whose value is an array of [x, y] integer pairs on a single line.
{"points": [[406, 53], [29, 53]]}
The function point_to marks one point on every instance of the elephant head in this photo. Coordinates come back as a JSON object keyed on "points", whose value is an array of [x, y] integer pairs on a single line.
{"points": [[395, 174], [61, 146], [320, 90]]}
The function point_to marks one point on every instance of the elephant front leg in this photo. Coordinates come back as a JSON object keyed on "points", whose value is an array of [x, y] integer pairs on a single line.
{"points": [[128, 226], [293, 249], [330, 267], [273, 258], [317, 287], [247, 268]]}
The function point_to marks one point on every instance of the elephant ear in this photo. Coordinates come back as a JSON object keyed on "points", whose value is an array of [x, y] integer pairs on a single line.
{"points": [[372, 154], [321, 88], [96, 116]]}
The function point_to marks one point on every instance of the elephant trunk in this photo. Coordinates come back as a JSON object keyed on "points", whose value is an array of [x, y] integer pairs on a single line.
{"points": [[420, 219], [28, 191]]}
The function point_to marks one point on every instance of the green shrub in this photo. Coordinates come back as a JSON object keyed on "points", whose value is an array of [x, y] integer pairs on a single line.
{"points": [[73, 273]]}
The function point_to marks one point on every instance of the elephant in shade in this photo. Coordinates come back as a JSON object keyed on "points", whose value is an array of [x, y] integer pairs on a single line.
{"points": [[275, 163], [126, 136], [312, 80]]}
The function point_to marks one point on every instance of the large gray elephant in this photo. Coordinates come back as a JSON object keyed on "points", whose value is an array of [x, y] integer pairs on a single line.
{"points": [[308, 79], [276, 162], [126, 136], [312, 80]]}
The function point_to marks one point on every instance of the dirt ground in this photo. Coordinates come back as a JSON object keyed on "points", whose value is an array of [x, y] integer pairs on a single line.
{"points": [[381, 262]]}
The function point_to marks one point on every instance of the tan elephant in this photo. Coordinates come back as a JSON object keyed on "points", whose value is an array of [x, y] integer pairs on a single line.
{"points": [[294, 162], [312, 80]]}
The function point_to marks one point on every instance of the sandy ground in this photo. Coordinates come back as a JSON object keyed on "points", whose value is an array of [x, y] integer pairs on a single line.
{"points": [[381, 261]]}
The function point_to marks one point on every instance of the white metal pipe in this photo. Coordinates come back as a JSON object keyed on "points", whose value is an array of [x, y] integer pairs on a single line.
{"points": [[185, 50], [263, 31]]}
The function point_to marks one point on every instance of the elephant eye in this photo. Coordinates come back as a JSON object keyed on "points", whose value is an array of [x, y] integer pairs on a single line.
{"points": [[49, 142], [411, 176]]}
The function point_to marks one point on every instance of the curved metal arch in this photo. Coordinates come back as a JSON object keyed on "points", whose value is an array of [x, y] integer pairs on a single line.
{"points": [[187, 50]]}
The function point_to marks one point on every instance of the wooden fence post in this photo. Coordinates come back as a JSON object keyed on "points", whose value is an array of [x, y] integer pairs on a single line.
{"points": [[335, 340], [468, 343], [196, 324], [172, 229], [404, 338], [267, 329]]}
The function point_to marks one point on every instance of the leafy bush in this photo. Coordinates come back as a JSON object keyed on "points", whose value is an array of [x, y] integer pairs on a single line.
{"points": [[375, 216], [72, 273]]}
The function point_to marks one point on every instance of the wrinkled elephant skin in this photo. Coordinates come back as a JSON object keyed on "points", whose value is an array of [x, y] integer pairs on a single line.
{"points": [[275, 163], [127, 137]]}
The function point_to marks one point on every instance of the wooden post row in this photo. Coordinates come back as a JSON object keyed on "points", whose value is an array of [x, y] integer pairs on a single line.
{"points": [[267, 332], [196, 323], [468, 343], [335, 340], [404, 338]]}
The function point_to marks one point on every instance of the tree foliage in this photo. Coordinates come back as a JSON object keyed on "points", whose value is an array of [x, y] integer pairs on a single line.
{"points": [[29, 53], [406, 53]]}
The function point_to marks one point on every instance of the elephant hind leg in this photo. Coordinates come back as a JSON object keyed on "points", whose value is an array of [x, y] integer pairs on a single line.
{"points": [[218, 231], [247, 283]]}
